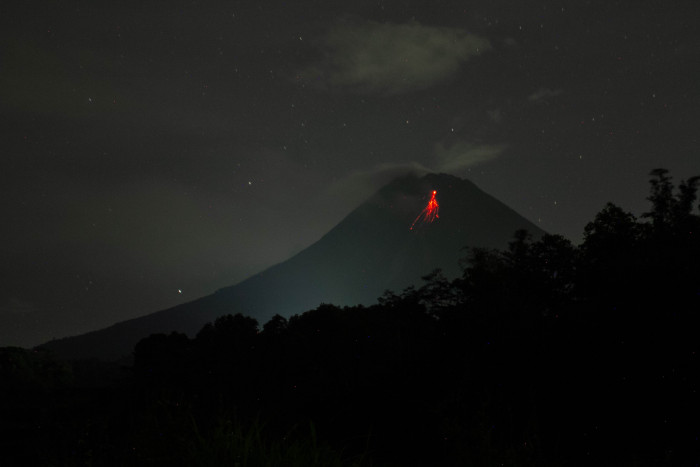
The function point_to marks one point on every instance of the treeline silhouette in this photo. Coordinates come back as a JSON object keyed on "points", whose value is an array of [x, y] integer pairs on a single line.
{"points": [[546, 353]]}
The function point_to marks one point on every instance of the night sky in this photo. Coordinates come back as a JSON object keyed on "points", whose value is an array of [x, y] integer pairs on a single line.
{"points": [[152, 152]]}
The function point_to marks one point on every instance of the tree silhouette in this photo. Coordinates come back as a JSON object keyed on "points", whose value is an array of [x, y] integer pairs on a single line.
{"points": [[671, 212]]}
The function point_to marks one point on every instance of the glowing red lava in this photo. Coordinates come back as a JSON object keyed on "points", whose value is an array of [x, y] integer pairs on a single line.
{"points": [[429, 213]]}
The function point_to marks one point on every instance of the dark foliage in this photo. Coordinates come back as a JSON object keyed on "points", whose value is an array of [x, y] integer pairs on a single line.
{"points": [[543, 354]]}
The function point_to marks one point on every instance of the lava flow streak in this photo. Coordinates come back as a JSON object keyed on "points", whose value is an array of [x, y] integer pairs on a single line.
{"points": [[430, 213]]}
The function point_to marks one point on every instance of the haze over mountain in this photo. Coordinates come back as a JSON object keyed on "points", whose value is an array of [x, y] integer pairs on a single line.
{"points": [[370, 251]]}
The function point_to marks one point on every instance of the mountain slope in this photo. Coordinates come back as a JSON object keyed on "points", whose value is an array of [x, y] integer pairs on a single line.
{"points": [[370, 251]]}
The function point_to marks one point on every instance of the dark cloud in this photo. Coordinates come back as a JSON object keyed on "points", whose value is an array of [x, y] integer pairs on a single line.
{"points": [[373, 57], [453, 158], [543, 94], [460, 155], [360, 184], [495, 115]]}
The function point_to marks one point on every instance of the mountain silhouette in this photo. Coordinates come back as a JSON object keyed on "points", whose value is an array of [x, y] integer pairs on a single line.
{"points": [[373, 249]]}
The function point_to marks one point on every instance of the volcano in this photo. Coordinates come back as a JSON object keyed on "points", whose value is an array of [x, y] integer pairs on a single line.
{"points": [[373, 249]]}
